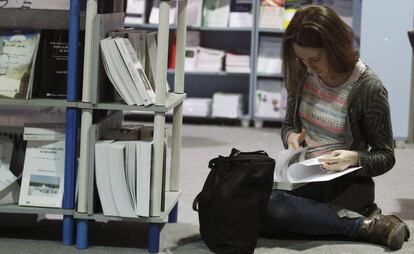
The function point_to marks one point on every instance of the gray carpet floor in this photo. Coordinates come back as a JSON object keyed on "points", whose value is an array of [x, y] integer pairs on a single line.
{"points": [[395, 195]]}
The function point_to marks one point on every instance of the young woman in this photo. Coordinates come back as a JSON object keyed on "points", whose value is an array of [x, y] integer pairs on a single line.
{"points": [[338, 107]]}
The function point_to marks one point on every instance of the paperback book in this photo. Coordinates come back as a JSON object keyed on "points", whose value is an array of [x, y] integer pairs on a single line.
{"points": [[293, 170], [18, 51]]}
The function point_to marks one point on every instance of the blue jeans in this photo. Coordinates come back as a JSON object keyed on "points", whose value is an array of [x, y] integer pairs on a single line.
{"points": [[289, 213]]}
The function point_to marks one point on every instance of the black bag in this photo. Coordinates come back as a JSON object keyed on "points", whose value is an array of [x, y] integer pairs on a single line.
{"points": [[234, 197]]}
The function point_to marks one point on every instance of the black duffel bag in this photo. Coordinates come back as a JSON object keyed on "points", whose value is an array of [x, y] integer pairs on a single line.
{"points": [[234, 197]]}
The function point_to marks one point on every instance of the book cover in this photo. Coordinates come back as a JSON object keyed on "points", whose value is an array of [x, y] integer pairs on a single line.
{"points": [[51, 67], [38, 4], [18, 50], [136, 71], [43, 174], [103, 179]]}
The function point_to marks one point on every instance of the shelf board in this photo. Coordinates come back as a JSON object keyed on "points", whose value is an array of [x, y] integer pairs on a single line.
{"points": [[196, 28], [173, 100], [171, 199], [211, 73], [269, 119], [38, 102], [37, 19], [270, 75], [14, 208], [271, 30]]}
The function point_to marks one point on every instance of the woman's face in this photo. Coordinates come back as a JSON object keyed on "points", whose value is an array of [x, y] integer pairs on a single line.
{"points": [[315, 60]]}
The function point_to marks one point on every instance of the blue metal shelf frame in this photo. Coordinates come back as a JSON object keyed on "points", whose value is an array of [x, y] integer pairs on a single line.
{"points": [[71, 123]]}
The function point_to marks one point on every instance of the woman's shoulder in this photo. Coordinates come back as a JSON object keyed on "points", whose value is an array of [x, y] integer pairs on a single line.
{"points": [[370, 81]]}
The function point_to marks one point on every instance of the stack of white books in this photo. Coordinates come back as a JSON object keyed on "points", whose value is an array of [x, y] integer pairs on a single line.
{"points": [[135, 12], [123, 171], [194, 13], [227, 105], [241, 13], [269, 60], [125, 71], [197, 107], [216, 13], [155, 12], [209, 59], [44, 165], [237, 63]]}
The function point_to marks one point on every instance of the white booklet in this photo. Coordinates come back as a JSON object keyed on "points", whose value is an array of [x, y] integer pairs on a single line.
{"points": [[292, 168], [43, 174]]}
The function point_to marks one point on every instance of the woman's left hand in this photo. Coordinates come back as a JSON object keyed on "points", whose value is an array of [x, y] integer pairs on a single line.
{"points": [[339, 160]]}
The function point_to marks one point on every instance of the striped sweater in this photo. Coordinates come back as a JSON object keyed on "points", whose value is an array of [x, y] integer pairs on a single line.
{"points": [[368, 131]]}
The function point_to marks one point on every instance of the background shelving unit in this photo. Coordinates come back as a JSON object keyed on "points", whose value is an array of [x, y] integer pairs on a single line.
{"points": [[102, 24], [52, 19], [205, 84]]}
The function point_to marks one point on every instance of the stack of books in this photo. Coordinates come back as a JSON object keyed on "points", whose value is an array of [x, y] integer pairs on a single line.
{"points": [[237, 63], [126, 72], [227, 105]]}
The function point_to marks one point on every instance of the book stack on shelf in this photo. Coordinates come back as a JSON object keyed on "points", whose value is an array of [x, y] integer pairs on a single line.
{"points": [[272, 13], [125, 71], [123, 171], [269, 60], [226, 105]]}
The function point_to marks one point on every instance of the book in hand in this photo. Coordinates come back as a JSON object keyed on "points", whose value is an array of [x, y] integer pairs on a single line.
{"points": [[293, 170], [43, 174], [18, 51]]}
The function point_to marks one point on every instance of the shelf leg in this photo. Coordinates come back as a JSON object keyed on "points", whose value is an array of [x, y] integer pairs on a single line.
{"points": [[154, 237], [172, 217], [67, 230], [82, 234]]}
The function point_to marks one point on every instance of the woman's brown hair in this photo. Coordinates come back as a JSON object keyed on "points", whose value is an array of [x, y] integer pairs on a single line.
{"points": [[317, 26]]}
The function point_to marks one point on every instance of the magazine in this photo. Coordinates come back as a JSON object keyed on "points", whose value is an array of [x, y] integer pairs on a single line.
{"points": [[293, 168]]}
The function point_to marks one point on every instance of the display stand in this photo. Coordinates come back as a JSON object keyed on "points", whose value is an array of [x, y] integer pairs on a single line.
{"points": [[104, 23]]}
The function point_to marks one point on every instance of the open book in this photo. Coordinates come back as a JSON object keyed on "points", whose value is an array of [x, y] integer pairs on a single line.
{"points": [[293, 170]]}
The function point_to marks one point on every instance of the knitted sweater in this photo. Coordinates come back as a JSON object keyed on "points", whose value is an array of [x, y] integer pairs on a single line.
{"points": [[368, 132]]}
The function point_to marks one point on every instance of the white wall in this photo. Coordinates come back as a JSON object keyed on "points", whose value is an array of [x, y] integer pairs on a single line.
{"points": [[386, 49]]}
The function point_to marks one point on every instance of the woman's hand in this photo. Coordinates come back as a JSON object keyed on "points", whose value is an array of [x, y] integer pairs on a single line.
{"points": [[295, 140], [339, 160]]}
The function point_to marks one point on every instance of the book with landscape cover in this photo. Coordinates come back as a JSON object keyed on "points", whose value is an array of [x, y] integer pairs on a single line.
{"points": [[43, 174], [18, 51]]}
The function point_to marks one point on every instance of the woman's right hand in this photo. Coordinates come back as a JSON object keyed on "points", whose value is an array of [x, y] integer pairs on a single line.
{"points": [[296, 140]]}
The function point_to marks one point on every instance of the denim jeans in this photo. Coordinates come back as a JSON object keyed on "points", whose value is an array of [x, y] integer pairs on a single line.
{"points": [[288, 213]]}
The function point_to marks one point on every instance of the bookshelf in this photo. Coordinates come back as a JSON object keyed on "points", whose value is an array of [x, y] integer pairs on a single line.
{"points": [[85, 212], [52, 19]]}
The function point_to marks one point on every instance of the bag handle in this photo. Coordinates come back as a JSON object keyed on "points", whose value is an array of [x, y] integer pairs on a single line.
{"points": [[234, 156], [195, 203], [235, 152]]}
